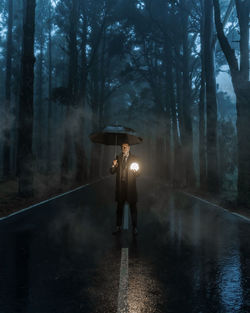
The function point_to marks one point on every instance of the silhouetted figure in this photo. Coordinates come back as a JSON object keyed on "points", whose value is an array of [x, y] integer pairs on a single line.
{"points": [[126, 168]]}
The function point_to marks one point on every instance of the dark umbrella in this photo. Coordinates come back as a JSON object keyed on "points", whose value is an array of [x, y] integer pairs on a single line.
{"points": [[115, 135]]}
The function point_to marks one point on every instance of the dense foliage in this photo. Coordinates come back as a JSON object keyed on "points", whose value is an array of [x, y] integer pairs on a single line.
{"points": [[155, 65]]}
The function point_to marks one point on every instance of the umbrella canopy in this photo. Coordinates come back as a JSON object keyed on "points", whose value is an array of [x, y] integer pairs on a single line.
{"points": [[116, 135]]}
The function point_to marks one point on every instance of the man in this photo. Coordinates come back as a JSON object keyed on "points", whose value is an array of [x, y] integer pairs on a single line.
{"points": [[125, 186]]}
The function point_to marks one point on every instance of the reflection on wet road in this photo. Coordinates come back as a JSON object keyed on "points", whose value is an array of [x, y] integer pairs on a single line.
{"points": [[61, 257]]}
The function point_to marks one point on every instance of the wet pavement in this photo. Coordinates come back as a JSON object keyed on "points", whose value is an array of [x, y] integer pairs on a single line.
{"points": [[189, 256]]}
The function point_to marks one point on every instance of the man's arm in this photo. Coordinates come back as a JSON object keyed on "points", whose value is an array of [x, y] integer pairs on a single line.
{"points": [[114, 167]]}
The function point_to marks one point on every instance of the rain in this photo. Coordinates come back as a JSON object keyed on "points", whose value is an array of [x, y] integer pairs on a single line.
{"points": [[124, 156]]}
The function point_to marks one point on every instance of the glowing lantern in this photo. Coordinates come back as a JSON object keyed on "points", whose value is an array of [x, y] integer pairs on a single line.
{"points": [[134, 166]]}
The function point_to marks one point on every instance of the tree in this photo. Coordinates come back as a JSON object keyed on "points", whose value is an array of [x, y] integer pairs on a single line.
{"points": [[25, 131], [39, 138], [211, 103], [6, 148], [71, 88], [202, 134], [49, 22], [185, 117], [241, 84]]}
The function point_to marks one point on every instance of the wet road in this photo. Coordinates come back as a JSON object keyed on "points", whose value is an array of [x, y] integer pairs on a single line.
{"points": [[61, 257]]}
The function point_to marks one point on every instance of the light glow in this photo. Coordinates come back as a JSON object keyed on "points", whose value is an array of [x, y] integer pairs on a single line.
{"points": [[134, 166]]}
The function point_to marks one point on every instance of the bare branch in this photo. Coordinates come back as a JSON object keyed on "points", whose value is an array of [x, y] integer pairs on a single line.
{"points": [[227, 50]]}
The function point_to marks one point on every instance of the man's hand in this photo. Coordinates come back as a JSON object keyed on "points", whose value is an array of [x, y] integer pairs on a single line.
{"points": [[115, 163], [135, 172]]}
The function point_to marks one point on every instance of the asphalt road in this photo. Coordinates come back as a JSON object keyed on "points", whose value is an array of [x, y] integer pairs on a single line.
{"points": [[189, 256]]}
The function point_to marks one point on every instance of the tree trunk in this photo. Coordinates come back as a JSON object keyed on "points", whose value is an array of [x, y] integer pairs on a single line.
{"points": [[162, 116], [49, 167], [186, 103], [72, 91], [161, 133], [17, 32], [95, 148], [171, 110], [81, 159], [202, 135], [38, 116], [179, 150], [97, 100], [243, 129], [25, 155], [65, 164], [241, 84], [7, 109], [242, 90], [211, 103]]}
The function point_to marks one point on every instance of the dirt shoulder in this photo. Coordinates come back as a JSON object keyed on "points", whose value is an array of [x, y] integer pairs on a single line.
{"points": [[10, 202]]}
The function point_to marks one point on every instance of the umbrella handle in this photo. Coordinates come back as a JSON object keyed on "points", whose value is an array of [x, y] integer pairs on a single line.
{"points": [[115, 145]]}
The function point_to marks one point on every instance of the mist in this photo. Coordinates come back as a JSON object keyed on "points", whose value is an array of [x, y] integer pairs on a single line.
{"points": [[101, 63]]}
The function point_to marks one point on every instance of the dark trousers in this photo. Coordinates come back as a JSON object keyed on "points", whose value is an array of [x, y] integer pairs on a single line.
{"points": [[119, 213]]}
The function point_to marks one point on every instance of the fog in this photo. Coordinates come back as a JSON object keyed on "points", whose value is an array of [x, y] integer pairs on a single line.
{"points": [[117, 63]]}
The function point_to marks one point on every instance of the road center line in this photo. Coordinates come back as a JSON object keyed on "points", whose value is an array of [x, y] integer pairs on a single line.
{"points": [[123, 284], [125, 219]]}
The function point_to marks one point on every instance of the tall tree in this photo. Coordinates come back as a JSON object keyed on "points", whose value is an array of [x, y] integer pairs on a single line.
{"points": [[72, 88], [202, 134], [211, 102], [171, 116], [49, 22], [25, 131], [241, 84], [187, 99], [6, 147], [16, 74], [39, 107], [81, 159]]}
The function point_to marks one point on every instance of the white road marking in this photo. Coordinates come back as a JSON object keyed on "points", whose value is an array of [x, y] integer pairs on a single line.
{"points": [[125, 217], [241, 216], [50, 199], [123, 284], [217, 206]]}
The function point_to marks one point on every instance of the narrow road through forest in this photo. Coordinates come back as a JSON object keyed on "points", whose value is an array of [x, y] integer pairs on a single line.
{"points": [[60, 256]]}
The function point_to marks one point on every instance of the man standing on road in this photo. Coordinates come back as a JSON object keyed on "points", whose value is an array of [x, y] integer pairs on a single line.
{"points": [[127, 169]]}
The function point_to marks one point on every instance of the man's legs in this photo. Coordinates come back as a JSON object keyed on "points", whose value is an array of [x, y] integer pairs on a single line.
{"points": [[133, 212], [119, 213]]}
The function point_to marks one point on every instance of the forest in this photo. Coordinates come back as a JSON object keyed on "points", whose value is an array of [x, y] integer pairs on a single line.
{"points": [[176, 71]]}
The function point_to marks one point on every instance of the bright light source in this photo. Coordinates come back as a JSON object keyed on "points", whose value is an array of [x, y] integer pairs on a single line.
{"points": [[54, 3], [134, 166]]}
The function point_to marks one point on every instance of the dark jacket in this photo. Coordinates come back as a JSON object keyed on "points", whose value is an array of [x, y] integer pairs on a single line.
{"points": [[131, 179]]}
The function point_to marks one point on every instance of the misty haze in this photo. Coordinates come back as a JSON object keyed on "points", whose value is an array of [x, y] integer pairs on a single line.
{"points": [[124, 156]]}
